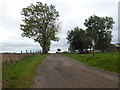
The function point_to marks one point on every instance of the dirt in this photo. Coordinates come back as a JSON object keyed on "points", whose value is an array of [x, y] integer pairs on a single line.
{"points": [[57, 71]]}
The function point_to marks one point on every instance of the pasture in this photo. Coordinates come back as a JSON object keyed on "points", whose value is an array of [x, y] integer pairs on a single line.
{"points": [[108, 61], [20, 74], [13, 58]]}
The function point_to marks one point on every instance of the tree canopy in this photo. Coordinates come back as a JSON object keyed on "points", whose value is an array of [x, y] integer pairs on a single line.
{"points": [[78, 40], [59, 49], [99, 30], [40, 23], [96, 36]]}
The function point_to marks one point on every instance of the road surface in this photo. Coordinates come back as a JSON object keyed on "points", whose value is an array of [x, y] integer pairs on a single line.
{"points": [[57, 71]]}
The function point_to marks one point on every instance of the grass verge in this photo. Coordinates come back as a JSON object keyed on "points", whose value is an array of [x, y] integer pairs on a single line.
{"points": [[20, 74], [106, 61]]}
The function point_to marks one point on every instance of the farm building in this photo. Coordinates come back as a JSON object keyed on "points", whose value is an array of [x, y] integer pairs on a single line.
{"points": [[115, 46]]}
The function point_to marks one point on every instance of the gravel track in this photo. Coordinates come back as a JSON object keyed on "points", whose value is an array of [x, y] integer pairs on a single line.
{"points": [[57, 71]]}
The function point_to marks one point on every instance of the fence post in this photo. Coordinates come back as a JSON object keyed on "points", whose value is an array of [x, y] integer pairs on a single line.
{"points": [[40, 51], [36, 51], [6, 63], [11, 60], [26, 51]]}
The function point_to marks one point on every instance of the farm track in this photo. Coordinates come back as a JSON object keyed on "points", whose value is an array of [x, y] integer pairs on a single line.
{"points": [[57, 71]]}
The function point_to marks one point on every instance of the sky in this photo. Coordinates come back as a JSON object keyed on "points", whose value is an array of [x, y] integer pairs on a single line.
{"points": [[72, 13]]}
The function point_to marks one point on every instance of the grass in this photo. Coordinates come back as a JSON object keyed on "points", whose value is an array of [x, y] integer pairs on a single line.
{"points": [[20, 74], [106, 61]]}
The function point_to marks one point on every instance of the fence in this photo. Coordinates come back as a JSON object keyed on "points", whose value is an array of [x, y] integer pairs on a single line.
{"points": [[10, 58], [32, 51]]}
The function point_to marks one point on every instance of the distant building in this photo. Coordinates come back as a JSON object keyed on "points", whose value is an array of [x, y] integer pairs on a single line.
{"points": [[117, 45]]}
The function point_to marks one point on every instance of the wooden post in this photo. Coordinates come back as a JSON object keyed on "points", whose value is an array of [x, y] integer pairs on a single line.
{"points": [[6, 63], [93, 51], [93, 44], [26, 51], [11, 60]]}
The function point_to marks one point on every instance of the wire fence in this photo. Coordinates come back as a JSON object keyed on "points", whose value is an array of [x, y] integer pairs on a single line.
{"points": [[11, 58]]}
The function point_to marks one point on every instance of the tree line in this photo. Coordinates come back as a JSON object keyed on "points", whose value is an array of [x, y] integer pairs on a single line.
{"points": [[96, 36], [41, 23]]}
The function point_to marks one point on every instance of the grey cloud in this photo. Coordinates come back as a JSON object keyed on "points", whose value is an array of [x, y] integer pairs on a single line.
{"points": [[9, 24], [72, 13], [17, 46], [62, 44]]}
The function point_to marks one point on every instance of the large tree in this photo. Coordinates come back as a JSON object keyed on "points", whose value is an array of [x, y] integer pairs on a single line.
{"points": [[99, 30], [103, 41], [78, 40], [40, 23]]}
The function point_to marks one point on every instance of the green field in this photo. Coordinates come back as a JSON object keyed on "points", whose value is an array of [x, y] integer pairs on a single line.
{"points": [[106, 61], [20, 74]]}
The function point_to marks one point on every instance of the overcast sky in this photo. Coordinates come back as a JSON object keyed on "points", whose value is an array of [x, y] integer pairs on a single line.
{"points": [[72, 13]]}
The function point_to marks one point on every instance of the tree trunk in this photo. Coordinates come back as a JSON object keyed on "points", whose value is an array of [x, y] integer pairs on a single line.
{"points": [[93, 45], [103, 50], [93, 50], [90, 49], [44, 49]]}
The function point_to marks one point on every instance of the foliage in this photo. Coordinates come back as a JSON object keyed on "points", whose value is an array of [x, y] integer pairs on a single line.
{"points": [[20, 74], [41, 24], [96, 36], [103, 41], [106, 61], [98, 29], [59, 49], [78, 39]]}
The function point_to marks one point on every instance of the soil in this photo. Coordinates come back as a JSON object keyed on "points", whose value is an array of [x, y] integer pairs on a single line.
{"points": [[57, 71]]}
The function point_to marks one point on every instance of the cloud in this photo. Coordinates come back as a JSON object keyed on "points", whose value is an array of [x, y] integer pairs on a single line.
{"points": [[72, 13], [19, 45]]}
